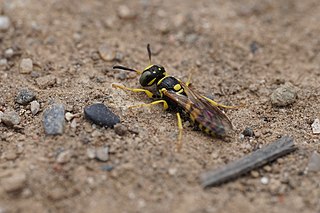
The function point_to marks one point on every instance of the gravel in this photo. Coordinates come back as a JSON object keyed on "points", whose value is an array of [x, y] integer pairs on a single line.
{"points": [[314, 162], [8, 53], [34, 107], [64, 157], [15, 183], [120, 129], [106, 53], [124, 12], [53, 119], [3, 62], [248, 132], [46, 81], [26, 66], [316, 126], [25, 96], [284, 95], [99, 153], [4, 23], [10, 118], [102, 153]]}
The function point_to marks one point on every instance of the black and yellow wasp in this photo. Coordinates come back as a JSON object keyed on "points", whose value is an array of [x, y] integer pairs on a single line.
{"points": [[179, 97]]}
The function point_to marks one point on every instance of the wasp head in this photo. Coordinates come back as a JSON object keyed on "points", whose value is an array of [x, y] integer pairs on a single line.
{"points": [[151, 75]]}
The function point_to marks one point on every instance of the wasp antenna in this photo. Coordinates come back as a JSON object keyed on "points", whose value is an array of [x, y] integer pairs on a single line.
{"points": [[125, 68], [149, 52]]}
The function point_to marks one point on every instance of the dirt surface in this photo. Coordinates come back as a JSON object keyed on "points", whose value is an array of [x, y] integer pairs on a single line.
{"points": [[240, 52]]}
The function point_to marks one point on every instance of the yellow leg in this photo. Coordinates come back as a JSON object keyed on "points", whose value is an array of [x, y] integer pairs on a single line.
{"points": [[221, 105], [165, 104], [179, 143], [149, 94]]}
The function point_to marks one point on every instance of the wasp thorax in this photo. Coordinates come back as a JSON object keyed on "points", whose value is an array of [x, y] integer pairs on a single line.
{"points": [[151, 75]]}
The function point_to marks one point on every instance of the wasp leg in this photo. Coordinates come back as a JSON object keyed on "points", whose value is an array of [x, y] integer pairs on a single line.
{"points": [[221, 105], [189, 77], [149, 94], [165, 104], [179, 143]]}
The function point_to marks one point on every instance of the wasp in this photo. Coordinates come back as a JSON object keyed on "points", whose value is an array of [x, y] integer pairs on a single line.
{"points": [[178, 96]]}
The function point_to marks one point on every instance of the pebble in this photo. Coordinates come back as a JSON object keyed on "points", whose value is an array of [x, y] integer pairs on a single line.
{"points": [[284, 95], [64, 157], [314, 162], [106, 53], [25, 96], [10, 118], [8, 53], [120, 129], [264, 180], [91, 153], [14, 183], [3, 62], [102, 153], [255, 174], [248, 132], [56, 194], [254, 47], [267, 168], [69, 116], [163, 27], [46, 81], [4, 23], [10, 155], [101, 115], [316, 126], [107, 168], [26, 66], [172, 171], [53, 119], [124, 12], [73, 123], [34, 107]]}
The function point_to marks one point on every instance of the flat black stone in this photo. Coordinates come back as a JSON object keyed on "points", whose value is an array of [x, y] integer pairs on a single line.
{"points": [[99, 114]]}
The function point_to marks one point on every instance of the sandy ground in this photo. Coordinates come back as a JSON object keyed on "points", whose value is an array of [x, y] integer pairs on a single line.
{"points": [[240, 51]]}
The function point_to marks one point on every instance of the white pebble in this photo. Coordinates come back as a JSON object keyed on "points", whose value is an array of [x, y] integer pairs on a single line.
{"points": [[124, 12], [69, 116], [26, 66], [4, 23], [3, 62], [316, 126], [264, 180], [35, 107], [8, 53]]}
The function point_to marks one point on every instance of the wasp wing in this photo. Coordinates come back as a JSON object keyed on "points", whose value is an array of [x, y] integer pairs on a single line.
{"points": [[210, 117]]}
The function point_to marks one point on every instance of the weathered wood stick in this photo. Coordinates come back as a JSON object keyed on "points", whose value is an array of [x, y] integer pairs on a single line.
{"points": [[249, 162]]}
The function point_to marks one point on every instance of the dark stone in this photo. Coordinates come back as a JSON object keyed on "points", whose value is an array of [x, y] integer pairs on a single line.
{"points": [[53, 119], [99, 114], [25, 96], [254, 47], [107, 168], [248, 132]]}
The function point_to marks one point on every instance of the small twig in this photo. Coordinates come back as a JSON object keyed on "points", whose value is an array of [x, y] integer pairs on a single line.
{"points": [[247, 163]]}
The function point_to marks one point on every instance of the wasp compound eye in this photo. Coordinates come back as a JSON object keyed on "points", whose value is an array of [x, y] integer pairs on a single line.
{"points": [[145, 78]]}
